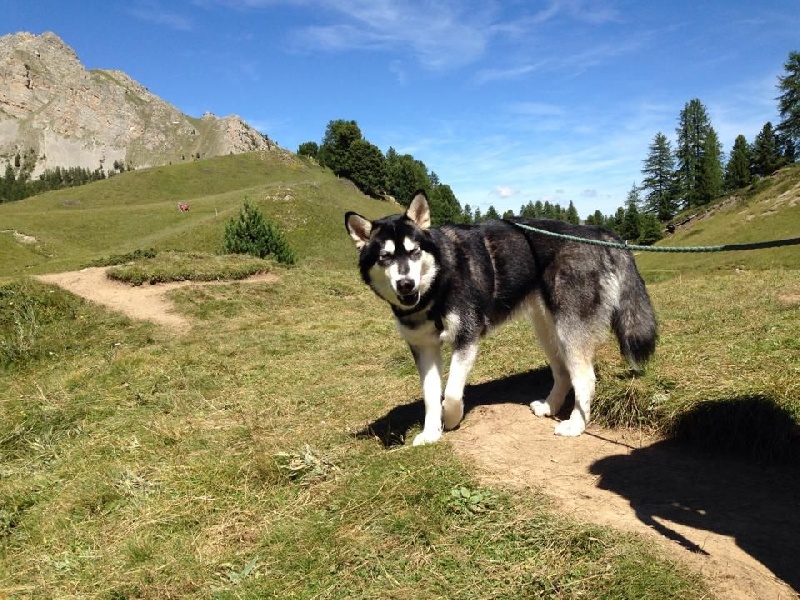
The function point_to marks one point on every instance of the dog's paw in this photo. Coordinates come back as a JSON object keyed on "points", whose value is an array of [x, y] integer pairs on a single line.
{"points": [[452, 413], [541, 408], [570, 427], [427, 437]]}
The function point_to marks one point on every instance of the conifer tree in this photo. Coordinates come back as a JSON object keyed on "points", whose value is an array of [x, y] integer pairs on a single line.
{"points": [[659, 179], [789, 104], [737, 171], [766, 153], [709, 185], [630, 227], [572, 215], [693, 129]]}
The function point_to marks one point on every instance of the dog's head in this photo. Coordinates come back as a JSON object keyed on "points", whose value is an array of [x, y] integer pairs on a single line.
{"points": [[397, 255]]}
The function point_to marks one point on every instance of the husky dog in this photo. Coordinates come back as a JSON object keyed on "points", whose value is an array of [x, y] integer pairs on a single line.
{"points": [[453, 284]]}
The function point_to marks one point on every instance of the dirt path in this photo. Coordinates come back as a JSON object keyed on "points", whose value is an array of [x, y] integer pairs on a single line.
{"points": [[736, 523], [144, 302]]}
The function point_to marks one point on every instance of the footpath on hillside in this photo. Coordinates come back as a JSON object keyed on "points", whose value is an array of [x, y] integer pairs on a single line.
{"points": [[736, 523]]}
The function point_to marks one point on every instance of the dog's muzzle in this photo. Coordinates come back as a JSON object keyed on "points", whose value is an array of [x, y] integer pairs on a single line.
{"points": [[407, 292]]}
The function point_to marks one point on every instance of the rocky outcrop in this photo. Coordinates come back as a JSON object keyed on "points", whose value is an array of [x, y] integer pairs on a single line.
{"points": [[55, 110]]}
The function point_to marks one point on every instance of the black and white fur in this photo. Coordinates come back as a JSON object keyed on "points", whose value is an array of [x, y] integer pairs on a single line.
{"points": [[453, 284]]}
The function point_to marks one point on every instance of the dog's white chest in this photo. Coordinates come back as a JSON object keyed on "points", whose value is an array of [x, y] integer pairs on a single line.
{"points": [[425, 333]]}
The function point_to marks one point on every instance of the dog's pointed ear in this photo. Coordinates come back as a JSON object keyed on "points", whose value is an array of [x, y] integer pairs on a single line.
{"points": [[359, 228], [419, 211]]}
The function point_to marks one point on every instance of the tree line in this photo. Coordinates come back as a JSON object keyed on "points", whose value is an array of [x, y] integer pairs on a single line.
{"points": [[17, 183]]}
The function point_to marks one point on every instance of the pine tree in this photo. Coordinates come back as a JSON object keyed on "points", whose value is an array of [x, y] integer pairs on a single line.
{"points": [[766, 154], [709, 186], [789, 103], [253, 234], [491, 213], [659, 179], [650, 230], [572, 215], [693, 129], [737, 171], [630, 227]]}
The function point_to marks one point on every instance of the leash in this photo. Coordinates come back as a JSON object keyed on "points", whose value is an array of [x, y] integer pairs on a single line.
{"points": [[627, 246]]}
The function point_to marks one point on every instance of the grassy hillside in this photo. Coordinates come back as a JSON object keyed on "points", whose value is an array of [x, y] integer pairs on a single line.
{"points": [[768, 210], [138, 209], [234, 461]]}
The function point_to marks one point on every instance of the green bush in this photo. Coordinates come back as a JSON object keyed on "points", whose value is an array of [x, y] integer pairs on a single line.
{"points": [[254, 234]]}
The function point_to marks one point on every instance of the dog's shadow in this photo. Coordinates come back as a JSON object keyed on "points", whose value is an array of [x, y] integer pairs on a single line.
{"points": [[733, 468], [392, 428]]}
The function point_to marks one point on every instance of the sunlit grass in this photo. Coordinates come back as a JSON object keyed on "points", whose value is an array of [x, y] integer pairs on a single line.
{"points": [[227, 462]]}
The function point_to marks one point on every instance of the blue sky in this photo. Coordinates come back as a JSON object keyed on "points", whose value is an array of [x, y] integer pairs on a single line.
{"points": [[506, 101]]}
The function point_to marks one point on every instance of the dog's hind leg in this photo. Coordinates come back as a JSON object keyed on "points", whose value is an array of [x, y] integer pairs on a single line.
{"points": [[548, 339], [578, 358], [429, 365], [460, 366]]}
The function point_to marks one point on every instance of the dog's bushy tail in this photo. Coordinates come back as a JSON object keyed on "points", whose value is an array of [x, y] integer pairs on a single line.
{"points": [[634, 320]]}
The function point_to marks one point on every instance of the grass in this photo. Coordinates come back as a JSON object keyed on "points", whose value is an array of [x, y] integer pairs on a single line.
{"points": [[767, 210], [223, 464], [227, 462], [138, 209], [178, 266]]}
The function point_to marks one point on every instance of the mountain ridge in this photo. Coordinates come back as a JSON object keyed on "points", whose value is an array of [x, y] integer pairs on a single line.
{"points": [[54, 112]]}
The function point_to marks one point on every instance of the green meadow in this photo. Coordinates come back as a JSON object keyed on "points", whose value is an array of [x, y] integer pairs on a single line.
{"points": [[236, 460]]}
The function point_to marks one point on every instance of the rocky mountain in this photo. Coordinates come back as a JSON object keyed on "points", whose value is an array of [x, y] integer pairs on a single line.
{"points": [[55, 112]]}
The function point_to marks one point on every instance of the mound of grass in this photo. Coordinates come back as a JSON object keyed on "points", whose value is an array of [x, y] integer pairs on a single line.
{"points": [[180, 266], [119, 259]]}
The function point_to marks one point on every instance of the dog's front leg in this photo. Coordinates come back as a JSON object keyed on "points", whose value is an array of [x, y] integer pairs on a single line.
{"points": [[460, 366], [429, 365]]}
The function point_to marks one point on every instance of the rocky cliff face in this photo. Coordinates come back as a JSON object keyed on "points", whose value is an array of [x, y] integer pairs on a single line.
{"points": [[54, 110]]}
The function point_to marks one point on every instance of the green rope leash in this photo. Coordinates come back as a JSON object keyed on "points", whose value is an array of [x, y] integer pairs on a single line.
{"points": [[626, 246]]}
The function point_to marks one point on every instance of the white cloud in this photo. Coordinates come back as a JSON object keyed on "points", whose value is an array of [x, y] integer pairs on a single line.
{"points": [[152, 12], [505, 191]]}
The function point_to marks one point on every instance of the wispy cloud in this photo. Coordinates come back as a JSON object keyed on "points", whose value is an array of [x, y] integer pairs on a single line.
{"points": [[154, 13], [505, 192], [440, 34], [505, 74]]}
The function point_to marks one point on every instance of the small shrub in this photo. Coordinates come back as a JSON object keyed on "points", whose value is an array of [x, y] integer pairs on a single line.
{"points": [[254, 234]]}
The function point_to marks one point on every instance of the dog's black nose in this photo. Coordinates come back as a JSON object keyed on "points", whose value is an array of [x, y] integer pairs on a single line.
{"points": [[405, 286]]}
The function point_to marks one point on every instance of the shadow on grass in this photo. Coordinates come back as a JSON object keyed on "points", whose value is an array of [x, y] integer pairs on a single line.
{"points": [[522, 388], [732, 468]]}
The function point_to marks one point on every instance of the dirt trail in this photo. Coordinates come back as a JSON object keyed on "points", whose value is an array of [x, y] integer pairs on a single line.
{"points": [[736, 523], [144, 302]]}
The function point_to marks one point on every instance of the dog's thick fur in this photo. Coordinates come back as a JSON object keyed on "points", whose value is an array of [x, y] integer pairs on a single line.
{"points": [[456, 283]]}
